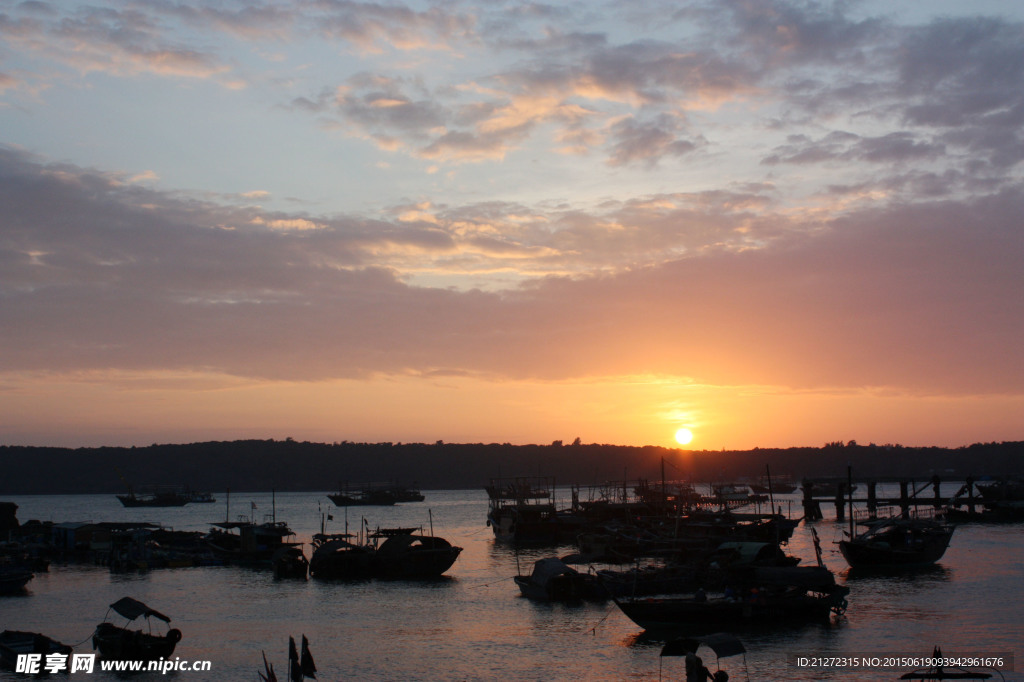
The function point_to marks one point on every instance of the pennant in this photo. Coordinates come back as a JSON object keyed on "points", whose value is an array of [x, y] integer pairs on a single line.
{"points": [[294, 671], [270, 676], [307, 665]]}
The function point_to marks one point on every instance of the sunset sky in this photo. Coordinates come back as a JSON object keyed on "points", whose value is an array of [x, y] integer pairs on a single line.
{"points": [[771, 223]]}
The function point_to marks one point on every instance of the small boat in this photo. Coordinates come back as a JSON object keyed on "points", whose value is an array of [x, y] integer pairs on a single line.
{"points": [[722, 644], [336, 558], [247, 542], [162, 496], [378, 495], [120, 643], [731, 492], [522, 511], [14, 643], [156, 497], [898, 542], [290, 563], [406, 553], [775, 485], [14, 578], [940, 672], [769, 595], [1003, 489], [554, 580]]}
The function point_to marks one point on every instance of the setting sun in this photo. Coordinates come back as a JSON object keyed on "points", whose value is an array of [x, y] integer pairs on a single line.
{"points": [[684, 436]]}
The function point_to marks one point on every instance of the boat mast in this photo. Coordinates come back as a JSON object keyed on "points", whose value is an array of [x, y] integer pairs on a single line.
{"points": [[849, 495], [664, 497]]}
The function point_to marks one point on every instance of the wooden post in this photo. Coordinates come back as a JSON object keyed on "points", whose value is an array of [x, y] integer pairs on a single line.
{"points": [[904, 499], [970, 494], [936, 482], [840, 502], [872, 499], [812, 512]]}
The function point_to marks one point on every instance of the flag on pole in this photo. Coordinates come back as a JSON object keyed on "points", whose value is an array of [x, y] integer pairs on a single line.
{"points": [[294, 671], [270, 676], [307, 665]]}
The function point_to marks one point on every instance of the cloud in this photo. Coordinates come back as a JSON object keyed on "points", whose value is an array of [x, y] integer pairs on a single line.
{"points": [[897, 147], [374, 27], [648, 141], [121, 43], [719, 286]]}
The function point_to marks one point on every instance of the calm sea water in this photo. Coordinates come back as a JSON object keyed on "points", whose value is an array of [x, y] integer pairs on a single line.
{"points": [[475, 626]]}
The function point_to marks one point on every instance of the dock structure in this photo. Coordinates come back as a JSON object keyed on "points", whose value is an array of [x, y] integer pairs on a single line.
{"points": [[912, 494]]}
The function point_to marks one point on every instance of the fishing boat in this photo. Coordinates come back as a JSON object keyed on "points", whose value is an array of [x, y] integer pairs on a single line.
{"points": [[379, 495], [406, 553], [522, 510], [290, 562], [900, 542], [246, 542], [554, 580], [14, 643], [335, 557], [121, 643], [156, 496], [730, 492], [164, 496], [774, 485], [1003, 489], [14, 578], [769, 595]]}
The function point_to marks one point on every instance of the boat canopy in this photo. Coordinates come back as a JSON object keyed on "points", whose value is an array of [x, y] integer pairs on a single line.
{"points": [[547, 568], [722, 643], [747, 551], [393, 532], [133, 608]]}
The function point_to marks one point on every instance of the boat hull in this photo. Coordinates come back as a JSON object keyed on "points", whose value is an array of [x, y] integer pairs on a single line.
{"points": [[685, 613], [121, 644], [14, 643], [898, 544], [867, 555], [413, 557]]}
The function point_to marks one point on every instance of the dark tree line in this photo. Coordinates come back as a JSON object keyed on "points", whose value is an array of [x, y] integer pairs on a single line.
{"points": [[293, 465]]}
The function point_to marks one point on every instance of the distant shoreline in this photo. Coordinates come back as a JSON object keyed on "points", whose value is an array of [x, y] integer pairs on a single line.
{"points": [[289, 465]]}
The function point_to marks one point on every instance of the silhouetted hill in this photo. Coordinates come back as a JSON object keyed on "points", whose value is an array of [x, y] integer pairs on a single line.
{"points": [[292, 465]]}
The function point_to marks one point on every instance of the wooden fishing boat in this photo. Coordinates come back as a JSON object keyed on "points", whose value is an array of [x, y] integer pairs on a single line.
{"points": [[406, 553], [897, 543], [335, 557], [554, 580], [770, 595], [14, 643]]}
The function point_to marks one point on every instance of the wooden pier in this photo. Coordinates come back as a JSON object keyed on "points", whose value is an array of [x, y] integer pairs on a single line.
{"points": [[838, 491]]}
